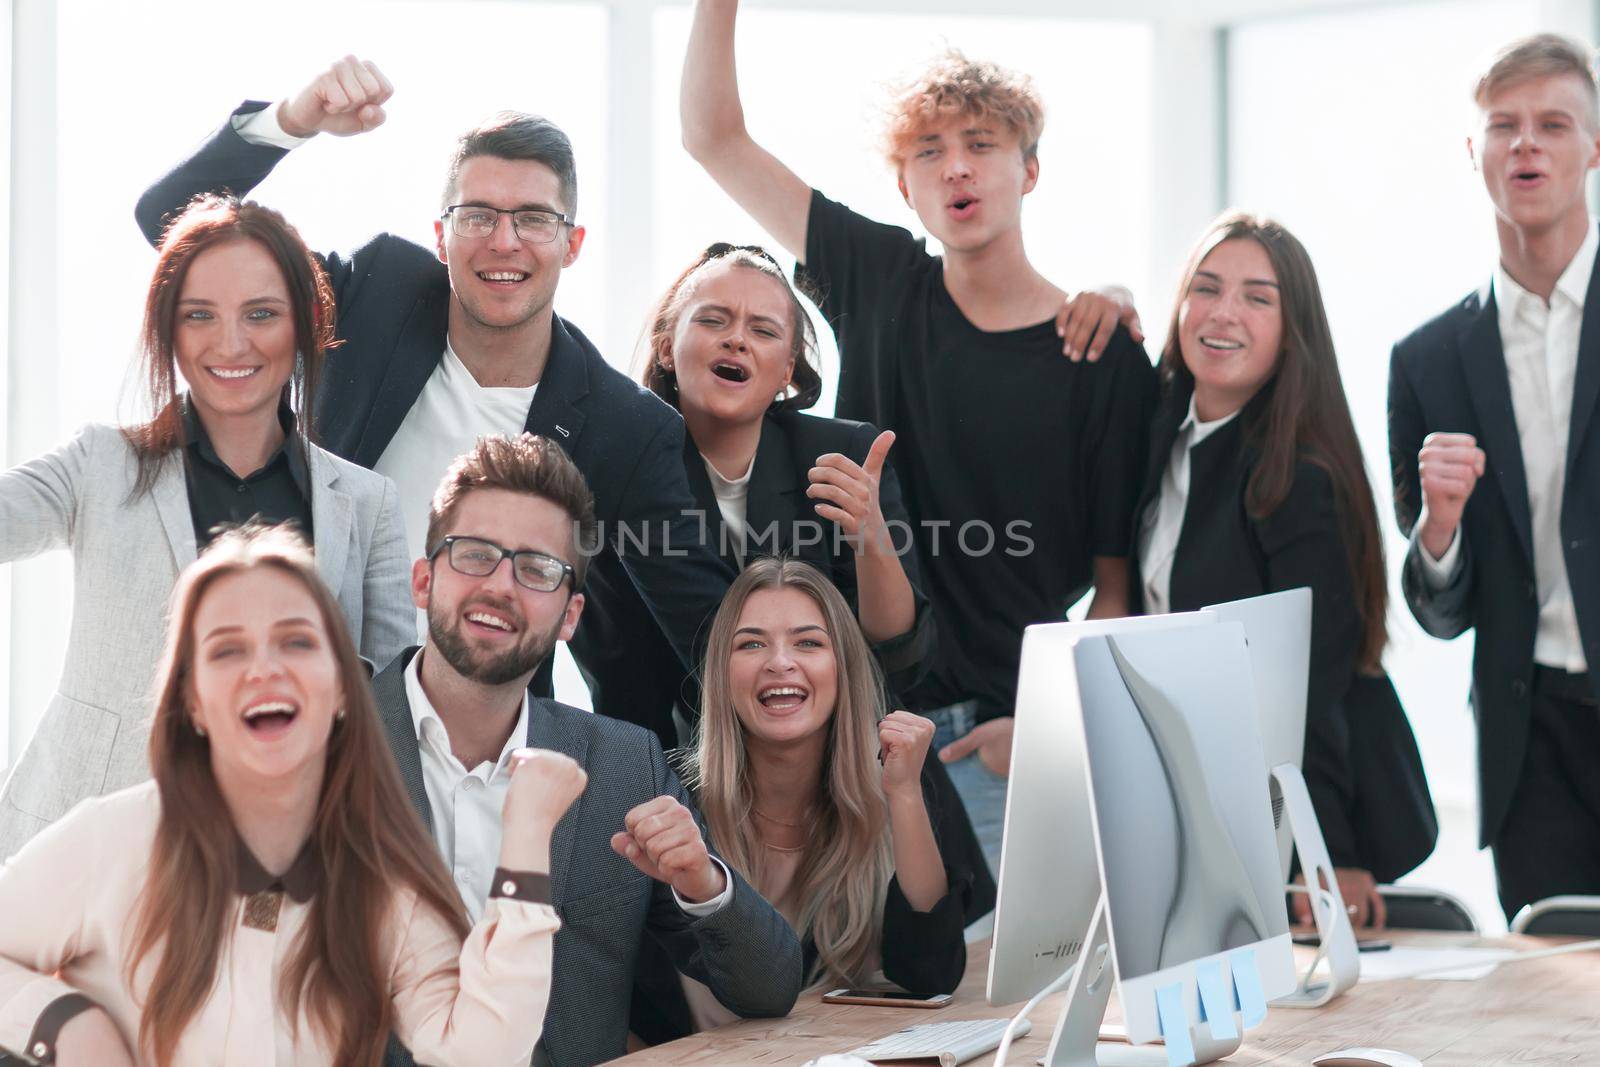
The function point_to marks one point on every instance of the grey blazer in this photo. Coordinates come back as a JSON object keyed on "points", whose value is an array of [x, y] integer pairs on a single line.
{"points": [[745, 951], [126, 555]]}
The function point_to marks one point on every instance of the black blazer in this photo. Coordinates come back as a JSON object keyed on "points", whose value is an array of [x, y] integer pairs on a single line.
{"points": [[745, 952], [783, 522], [1361, 762], [393, 314], [1450, 376], [924, 952]]}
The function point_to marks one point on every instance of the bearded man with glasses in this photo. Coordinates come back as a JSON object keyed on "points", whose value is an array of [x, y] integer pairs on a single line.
{"points": [[441, 345], [510, 532]]}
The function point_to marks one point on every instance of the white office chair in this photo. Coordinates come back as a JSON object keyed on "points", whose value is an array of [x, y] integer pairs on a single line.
{"points": [[1552, 916]]}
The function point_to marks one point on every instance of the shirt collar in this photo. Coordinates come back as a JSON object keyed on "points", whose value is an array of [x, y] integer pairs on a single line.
{"points": [[300, 881], [194, 432], [1197, 430], [422, 710], [1512, 298]]}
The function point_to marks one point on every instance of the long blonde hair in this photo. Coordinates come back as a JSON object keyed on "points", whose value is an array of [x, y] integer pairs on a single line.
{"points": [[368, 840], [845, 868]]}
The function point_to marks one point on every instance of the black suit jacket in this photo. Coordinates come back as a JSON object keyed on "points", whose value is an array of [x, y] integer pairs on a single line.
{"points": [[745, 952], [783, 522], [393, 315], [1361, 762], [1450, 376]]}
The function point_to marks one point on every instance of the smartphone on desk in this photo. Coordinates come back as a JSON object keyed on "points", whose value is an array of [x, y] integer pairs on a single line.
{"points": [[885, 998]]}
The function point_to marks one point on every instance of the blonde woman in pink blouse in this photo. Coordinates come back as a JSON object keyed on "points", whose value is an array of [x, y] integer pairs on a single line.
{"points": [[270, 897]]}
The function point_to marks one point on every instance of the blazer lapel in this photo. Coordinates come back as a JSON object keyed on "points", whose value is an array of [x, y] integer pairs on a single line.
{"points": [[1484, 362], [565, 382], [546, 730], [394, 711], [777, 494], [416, 354], [171, 494], [330, 519], [1586, 381]]}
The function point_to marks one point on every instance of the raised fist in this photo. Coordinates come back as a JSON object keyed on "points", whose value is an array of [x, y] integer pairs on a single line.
{"points": [[343, 100], [663, 840], [1450, 465]]}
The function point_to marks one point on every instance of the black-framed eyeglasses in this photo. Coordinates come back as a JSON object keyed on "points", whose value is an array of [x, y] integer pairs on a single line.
{"points": [[718, 249], [539, 571], [534, 225]]}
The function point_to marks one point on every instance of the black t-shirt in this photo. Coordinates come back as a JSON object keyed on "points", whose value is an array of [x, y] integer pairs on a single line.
{"points": [[1018, 465]]}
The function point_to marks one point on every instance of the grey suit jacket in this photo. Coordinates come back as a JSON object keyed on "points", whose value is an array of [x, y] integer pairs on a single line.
{"points": [[745, 951], [126, 557]]}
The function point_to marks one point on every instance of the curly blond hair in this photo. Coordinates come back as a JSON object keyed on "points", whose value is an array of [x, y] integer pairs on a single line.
{"points": [[955, 85]]}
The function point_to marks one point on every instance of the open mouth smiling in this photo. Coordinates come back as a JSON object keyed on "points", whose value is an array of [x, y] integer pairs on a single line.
{"points": [[270, 717], [503, 277], [489, 620], [782, 697]]}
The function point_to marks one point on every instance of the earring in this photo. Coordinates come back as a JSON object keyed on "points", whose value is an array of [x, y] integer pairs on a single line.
{"points": [[201, 730], [338, 716]]}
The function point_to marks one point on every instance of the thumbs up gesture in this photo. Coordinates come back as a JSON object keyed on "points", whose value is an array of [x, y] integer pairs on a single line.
{"points": [[847, 493]]}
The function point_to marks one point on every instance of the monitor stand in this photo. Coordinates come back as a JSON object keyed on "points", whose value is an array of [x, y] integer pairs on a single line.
{"points": [[1327, 906], [1076, 1041]]}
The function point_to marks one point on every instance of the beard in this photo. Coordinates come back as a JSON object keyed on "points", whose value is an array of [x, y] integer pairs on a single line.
{"points": [[489, 668]]}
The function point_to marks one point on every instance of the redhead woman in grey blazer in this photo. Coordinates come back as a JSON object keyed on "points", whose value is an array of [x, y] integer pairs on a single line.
{"points": [[242, 311]]}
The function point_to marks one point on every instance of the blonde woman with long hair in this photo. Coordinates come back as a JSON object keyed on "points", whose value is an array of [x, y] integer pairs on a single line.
{"points": [[270, 897], [826, 804]]}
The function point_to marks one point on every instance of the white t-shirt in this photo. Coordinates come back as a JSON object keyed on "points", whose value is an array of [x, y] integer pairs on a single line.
{"points": [[452, 412], [732, 495]]}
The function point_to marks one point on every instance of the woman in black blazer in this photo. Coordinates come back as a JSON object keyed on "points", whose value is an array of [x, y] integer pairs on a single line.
{"points": [[1256, 485], [732, 349]]}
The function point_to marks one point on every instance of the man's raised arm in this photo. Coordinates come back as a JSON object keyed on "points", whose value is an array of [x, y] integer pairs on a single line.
{"points": [[343, 100], [714, 132]]}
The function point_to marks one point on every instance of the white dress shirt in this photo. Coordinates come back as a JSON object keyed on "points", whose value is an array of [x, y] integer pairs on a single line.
{"points": [[466, 804], [1540, 342], [1163, 519]]}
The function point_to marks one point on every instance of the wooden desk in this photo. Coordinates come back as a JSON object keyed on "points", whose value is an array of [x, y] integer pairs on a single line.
{"points": [[1540, 1012]]}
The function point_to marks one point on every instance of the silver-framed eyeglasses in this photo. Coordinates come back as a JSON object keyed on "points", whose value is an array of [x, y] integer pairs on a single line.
{"points": [[534, 225], [539, 571]]}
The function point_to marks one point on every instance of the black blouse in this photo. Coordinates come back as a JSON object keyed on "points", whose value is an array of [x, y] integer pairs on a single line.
{"points": [[923, 952]]}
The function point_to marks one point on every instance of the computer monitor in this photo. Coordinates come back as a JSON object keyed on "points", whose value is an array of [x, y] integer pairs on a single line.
{"points": [[1048, 880], [1182, 824], [1277, 629]]}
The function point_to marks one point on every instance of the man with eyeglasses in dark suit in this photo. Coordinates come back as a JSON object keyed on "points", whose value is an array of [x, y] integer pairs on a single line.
{"points": [[441, 345]]}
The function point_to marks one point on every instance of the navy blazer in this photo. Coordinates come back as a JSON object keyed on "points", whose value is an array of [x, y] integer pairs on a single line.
{"points": [[393, 315], [783, 522], [1360, 760], [1450, 376], [745, 951]]}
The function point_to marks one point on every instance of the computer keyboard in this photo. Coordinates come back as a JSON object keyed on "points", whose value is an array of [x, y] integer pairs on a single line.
{"points": [[949, 1043]]}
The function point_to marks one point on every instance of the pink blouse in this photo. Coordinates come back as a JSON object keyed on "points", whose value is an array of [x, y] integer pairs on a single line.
{"points": [[67, 902]]}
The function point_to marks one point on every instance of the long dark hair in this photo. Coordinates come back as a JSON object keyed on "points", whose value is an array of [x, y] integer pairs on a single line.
{"points": [[1306, 415], [211, 220], [806, 381], [367, 838]]}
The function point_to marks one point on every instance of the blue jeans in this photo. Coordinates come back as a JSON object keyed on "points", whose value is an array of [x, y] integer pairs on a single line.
{"points": [[983, 793]]}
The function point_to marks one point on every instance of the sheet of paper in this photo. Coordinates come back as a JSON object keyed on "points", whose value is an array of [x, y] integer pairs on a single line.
{"points": [[1440, 964]]}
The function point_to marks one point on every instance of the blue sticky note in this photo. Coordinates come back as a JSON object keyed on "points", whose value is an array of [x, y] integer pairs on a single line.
{"points": [[1175, 1025], [1216, 1003], [1247, 993]]}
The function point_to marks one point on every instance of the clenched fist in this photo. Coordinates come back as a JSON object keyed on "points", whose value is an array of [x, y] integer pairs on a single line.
{"points": [[663, 840], [343, 100], [544, 785], [904, 738], [1450, 465]]}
